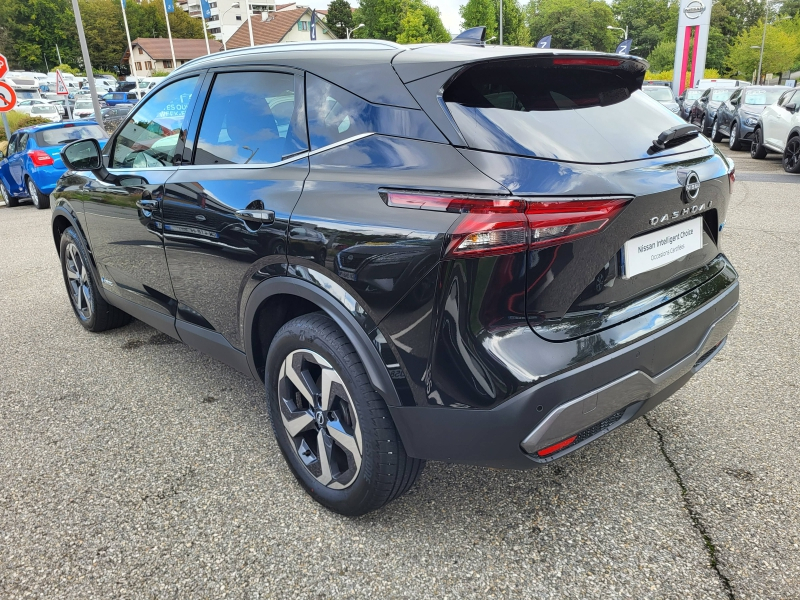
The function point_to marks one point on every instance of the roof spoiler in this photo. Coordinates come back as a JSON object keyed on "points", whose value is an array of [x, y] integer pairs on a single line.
{"points": [[471, 37]]}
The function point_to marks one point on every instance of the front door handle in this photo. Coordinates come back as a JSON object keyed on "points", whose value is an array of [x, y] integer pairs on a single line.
{"points": [[148, 205], [261, 216]]}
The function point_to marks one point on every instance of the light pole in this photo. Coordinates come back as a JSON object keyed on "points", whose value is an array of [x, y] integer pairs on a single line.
{"points": [[349, 31], [222, 20], [619, 29]]}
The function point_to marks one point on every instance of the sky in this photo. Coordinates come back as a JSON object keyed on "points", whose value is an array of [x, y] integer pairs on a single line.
{"points": [[447, 8]]}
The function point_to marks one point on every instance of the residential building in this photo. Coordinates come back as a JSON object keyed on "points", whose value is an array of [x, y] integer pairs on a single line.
{"points": [[226, 20], [291, 24], [154, 54]]}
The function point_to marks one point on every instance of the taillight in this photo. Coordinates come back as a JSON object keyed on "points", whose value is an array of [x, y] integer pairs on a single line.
{"points": [[589, 61], [731, 178], [40, 158], [491, 226]]}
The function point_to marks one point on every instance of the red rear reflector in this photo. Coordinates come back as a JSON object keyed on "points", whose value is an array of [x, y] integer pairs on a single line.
{"points": [[491, 226], [40, 158], [732, 177], [588, 61], [556, 447]]}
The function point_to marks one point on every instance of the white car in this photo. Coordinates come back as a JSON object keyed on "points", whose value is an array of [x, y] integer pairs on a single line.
{"points": [[25, 106], [83, 108], [51, 112], [778, 130]]}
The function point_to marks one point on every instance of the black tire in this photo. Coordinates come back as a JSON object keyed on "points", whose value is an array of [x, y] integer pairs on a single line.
{"points": [[39, 199], [385, 471], [6, 196], [704, 127], [716, 136], [791, 155], [734, 142], [100, 315], [757, 149]]}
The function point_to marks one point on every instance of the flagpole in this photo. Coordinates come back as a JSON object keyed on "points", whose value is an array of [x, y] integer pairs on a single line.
{"points": [[130, 50], [249, 24], [169, 35]]}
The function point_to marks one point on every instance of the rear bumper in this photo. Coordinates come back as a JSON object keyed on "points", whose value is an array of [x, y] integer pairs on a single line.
{"points": [[597, 397]]}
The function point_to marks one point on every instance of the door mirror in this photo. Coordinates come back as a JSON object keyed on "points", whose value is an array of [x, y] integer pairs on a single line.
{"points": [[83, 155], [790, 107]]}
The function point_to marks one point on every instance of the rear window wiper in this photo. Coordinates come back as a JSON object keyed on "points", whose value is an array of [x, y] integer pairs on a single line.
{"points": [[674, 136]]}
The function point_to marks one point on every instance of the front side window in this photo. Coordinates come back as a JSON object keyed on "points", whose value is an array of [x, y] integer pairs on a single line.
{"points": [[250, 118], [12, 145], [150, 137]]}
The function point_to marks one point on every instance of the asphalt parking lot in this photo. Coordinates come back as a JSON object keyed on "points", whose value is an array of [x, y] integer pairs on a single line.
{"points": [[132, 466]]}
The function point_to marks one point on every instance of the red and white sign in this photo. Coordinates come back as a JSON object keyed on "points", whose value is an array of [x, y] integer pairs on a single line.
{"points": [[8, 97], [3, 66], [61, 87]]}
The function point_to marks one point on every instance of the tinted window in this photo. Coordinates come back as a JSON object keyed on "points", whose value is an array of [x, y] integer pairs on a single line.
{"points": [[12, 145], [335, 114], [150, 137], [248, 119], [531, 107], [64, 135]]}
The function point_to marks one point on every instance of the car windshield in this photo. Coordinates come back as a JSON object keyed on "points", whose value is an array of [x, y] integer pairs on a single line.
{"points": [[762, 97], [693, 94], [64, 135], [662, 94], [80, 104], [720, 95], [42, 109]]}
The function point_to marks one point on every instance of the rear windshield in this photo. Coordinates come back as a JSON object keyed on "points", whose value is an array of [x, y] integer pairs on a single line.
{"points": [[42, 109], [720, 95], [662, 94], [84, 104], [762, 97], [530, 107], [64, 135]]}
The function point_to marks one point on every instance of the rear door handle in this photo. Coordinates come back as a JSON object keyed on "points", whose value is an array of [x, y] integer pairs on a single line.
{"points": [[262, 216]]}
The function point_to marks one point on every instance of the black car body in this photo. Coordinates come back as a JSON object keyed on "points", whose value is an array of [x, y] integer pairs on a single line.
{"points": [[703, 112], [737, 117], [686, 100], [460, 213]]}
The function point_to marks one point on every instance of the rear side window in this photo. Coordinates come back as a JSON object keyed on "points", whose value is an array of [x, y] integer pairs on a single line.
{"points": [[250, 118], [64, 135], [334, 115], [589, 113]]}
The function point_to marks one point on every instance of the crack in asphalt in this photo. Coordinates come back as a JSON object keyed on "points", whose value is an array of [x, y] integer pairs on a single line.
{"points": [[693, 514]]}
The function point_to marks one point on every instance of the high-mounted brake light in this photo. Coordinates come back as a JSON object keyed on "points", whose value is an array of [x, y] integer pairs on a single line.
{"points": [[40, 158], [491, 226], [588, 61]]}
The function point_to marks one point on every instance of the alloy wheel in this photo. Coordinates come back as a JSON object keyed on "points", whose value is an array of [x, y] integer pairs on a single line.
{"points": [[791, 156], [756, 143], [4, 194], [732, 138], [714, 129], [33, 193], [78, 279], [320, 419]]}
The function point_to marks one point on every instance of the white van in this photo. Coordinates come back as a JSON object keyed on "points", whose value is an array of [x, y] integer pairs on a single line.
{"points": [[148, 83]]}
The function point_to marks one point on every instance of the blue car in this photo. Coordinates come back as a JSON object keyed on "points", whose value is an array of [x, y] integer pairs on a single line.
{"points": [[31, 165]]}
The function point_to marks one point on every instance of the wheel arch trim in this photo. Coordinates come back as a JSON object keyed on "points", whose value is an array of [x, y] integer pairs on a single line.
{"points": [[292, 286]]}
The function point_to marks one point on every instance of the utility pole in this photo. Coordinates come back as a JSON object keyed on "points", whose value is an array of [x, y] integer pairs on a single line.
{"points": [[59, 55], [98, 116], [763, 41], [501, 22]]}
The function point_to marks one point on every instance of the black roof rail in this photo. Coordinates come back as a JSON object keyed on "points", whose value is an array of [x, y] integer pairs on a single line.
{"points": [[471, 37]]}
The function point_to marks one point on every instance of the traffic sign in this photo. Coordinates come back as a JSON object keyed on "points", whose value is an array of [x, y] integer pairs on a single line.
{"points": [[61, 87], [3, 66], [8, 97]]}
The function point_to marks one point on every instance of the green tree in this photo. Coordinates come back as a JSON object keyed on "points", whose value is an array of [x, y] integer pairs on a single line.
{"points": [[340, 18], [662, 58], [477, 13], [421, 24], [515, 29], [381, 19], [574, 24], [781, 50], [645, 20]]}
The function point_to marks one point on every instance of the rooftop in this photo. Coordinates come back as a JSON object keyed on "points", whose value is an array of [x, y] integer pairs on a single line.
{"points": [[159, 49]]}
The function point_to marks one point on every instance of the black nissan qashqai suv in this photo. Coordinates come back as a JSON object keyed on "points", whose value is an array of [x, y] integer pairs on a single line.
{"points": [[483, 255]]}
